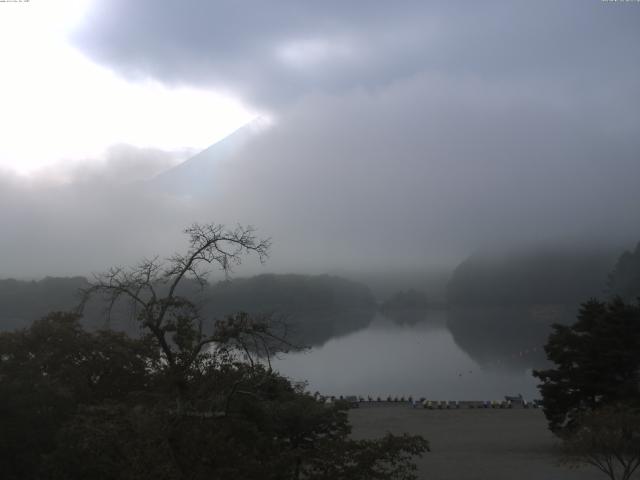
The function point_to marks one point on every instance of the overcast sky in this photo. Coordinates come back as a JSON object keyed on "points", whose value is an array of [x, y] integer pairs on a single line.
{"points": [[401, 133]]}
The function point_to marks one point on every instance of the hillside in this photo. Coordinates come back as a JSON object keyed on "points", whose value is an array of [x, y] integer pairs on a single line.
{"points": [[198, 175], [543, 276], [317, 307], [624, 280]]}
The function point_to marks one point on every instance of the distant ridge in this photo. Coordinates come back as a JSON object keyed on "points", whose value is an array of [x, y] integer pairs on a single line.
{"points": [[196, 176]]}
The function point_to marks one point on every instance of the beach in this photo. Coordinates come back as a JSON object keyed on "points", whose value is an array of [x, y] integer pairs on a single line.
{"points": [[474, 444]]}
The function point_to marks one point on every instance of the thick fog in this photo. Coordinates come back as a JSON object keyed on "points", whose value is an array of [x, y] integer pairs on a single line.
{"points": [[81, 218], [401, 138]]}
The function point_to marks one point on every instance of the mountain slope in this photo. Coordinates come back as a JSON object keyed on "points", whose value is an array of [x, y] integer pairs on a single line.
{"points": [[196, 176]]}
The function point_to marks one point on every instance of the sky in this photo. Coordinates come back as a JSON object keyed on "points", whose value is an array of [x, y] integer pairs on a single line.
{"points": [[401, 135], [59, 106]]}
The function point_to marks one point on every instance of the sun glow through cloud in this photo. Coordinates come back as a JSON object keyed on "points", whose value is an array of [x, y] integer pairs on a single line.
{"points": [[55, 104], [304, 54]]}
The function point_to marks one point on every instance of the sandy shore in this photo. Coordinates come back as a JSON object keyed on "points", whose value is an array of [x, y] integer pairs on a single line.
{"points": [[474, 444]]}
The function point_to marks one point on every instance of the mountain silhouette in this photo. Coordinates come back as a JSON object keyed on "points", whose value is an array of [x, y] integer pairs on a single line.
{"points": [[197, 175]]}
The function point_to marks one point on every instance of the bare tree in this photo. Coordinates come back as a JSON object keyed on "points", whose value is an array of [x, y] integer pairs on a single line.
{"points": [[608, 439], [152, 289]]}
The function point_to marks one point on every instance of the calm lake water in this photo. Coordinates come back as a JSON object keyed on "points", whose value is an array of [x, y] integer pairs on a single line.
{"points": [[433, 358]]}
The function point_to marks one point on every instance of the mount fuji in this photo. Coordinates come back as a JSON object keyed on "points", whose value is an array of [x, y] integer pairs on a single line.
{"points": [[197, 175]]}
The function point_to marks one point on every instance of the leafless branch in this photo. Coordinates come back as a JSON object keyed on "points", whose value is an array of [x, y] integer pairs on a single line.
{"points": [[151, 288]]}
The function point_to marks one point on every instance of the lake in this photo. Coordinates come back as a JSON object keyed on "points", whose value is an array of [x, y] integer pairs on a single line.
{"points": [[467, 355]]}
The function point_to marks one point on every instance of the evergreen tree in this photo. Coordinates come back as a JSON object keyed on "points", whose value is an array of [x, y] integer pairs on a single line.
{"points": [[597, 362], [624, 280]]}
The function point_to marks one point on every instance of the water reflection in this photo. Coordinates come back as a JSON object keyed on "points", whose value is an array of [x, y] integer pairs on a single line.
{"points": [[507, 337], [456, 354], [314, 329]]}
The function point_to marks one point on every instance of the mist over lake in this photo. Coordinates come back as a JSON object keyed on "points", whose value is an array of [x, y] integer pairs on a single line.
{"points": [[228, 228], [421, 359]]}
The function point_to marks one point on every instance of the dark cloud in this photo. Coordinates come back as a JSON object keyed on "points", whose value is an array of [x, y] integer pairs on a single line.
{"points": [[273, 52]]}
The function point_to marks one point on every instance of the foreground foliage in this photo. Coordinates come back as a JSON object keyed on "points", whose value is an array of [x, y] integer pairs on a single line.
{"points": [[597, 362], [99, 405], [190, 398], [608, 439], [592, 396]]}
